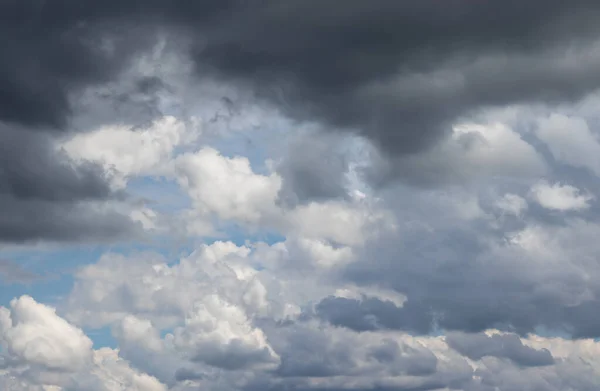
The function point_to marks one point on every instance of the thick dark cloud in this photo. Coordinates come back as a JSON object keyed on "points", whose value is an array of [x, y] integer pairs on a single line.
{"points": [[31, 170], [396, 72], [399, 71], [44, 196], [52, 51]]}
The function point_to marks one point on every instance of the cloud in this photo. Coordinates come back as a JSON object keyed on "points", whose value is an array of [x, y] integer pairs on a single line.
{"points": [[223, 309], [42, 351], [315, 168], [570, 141], [46, 196], [401, 93], [532, 276], [513, 204], [472, 152], [226, 186], [402, 193], [499, 345], [560, 197], [36, 335], [411, 81], [126, 152]]}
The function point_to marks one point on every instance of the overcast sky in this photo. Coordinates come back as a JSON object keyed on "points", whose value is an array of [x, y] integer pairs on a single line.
{"points": [[299, 195]]}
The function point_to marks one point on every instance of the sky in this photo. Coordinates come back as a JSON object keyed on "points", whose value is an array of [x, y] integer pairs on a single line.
{"points": [[299, 195]]}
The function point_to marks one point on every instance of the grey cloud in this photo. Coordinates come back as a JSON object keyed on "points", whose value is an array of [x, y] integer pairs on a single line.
{"points": [[52, 48], [31, 170], [371, 314], [343, 359], [313, 169], [233, 355], [413, 362], [53, 51], [396, 72], [510, 346], [571, 373], [26, 221], [470, 273], [43, 195], [300, 358], [183, 374]]}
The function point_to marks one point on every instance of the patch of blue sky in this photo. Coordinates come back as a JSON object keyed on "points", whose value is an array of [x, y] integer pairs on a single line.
{"points": [[102, 337], [55, 269], [257, 144]]}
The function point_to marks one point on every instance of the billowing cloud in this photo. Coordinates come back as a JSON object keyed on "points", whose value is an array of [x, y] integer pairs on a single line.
{"points": [[299, 195], [42, 351]]}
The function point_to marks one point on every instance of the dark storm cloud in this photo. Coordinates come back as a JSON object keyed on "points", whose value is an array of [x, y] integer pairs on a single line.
{"points": [[51, 51], [42, 194], [51, 48], [31, 220], [31, 170], [399, 71], [395, 71]]}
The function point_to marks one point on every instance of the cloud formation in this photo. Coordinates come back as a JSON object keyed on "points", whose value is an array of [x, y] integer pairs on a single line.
{"points": [[299, 195]]}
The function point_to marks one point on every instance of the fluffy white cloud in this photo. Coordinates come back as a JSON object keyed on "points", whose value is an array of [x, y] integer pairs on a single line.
{"points": [[125, 152], [226, 186], [33, 333], [42, 351], [560, 197]]}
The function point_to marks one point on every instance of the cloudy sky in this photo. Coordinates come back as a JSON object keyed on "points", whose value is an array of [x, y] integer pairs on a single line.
{"points": [[299, 195]]}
